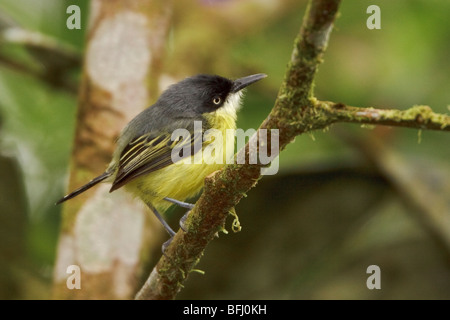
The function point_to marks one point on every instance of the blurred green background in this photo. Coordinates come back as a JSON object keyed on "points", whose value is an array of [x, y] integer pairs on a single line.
{"points": [[334, 208]]}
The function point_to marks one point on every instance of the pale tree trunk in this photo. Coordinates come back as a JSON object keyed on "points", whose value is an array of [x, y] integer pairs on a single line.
{"points": [[109, 237]]}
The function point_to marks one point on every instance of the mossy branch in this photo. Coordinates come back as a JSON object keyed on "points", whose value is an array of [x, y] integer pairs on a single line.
{"points": [[296, 111], [418, 117], [225, 188]]}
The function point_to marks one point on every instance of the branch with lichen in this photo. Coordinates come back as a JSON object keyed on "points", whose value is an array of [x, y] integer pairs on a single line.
{"points": [[418, 117], [296, 111]]}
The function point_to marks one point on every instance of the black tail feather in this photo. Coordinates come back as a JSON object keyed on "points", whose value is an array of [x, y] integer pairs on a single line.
{"points": [[87, 186]]}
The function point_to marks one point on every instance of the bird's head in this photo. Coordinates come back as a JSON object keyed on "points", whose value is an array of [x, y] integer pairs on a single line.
{"points": [[203, 94]]}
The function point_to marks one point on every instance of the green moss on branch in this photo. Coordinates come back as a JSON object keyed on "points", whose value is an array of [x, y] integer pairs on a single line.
{"points": [[419, 117]]}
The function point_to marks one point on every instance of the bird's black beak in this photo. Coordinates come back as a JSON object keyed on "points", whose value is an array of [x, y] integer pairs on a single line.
{"points": [[241, 83]]}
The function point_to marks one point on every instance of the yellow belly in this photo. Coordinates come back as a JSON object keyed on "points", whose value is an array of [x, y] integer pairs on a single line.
{"points": [[178, 182], [181, 181]]}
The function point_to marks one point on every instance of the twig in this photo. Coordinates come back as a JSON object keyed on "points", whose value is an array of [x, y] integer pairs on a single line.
{"points": [[419, 117]]}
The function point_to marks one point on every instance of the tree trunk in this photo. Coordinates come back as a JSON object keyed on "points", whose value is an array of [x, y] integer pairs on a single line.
{"points": [[109, 237]]}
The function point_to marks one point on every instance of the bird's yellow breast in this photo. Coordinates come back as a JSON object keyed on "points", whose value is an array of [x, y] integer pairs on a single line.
{"points": [[183, 180]]}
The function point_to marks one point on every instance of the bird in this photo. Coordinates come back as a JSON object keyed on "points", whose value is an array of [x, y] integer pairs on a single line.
{"points": [[157, 167]]}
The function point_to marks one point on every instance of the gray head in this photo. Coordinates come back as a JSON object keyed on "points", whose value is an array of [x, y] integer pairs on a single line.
{"points": [[203, 93]]}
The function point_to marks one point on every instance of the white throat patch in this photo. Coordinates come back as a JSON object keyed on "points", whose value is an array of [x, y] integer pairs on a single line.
{"points": [[233, 104]]}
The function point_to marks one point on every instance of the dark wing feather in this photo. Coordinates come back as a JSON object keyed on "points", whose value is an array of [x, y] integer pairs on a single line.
{"points": [[146, 154]]}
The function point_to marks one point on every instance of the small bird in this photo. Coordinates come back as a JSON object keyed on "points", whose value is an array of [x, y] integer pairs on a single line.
{"points": [[143, 160]]}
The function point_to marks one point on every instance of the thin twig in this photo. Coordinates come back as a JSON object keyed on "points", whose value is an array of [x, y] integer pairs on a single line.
{"points": [[418, 117]]}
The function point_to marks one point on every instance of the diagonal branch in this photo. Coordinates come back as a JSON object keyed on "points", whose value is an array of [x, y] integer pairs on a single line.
{"points": [[224, 189], [54, 60], [296, 111]]}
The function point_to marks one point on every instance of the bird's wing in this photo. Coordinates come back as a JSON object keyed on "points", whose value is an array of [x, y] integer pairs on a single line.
{"points": [[148, 153]]}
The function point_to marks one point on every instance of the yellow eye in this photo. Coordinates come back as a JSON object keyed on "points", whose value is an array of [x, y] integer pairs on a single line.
{"points": [[217, 100]]}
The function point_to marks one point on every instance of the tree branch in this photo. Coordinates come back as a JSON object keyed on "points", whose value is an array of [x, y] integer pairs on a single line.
{"points": [[224, 188], [296, 111], [54, 59], [418, 117]]}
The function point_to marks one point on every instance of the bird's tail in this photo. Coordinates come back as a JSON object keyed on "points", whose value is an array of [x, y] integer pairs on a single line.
{"points": [[87, 186]]}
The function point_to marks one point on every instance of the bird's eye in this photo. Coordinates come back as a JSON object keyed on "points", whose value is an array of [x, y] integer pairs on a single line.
{"points": [[217, 100]]}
